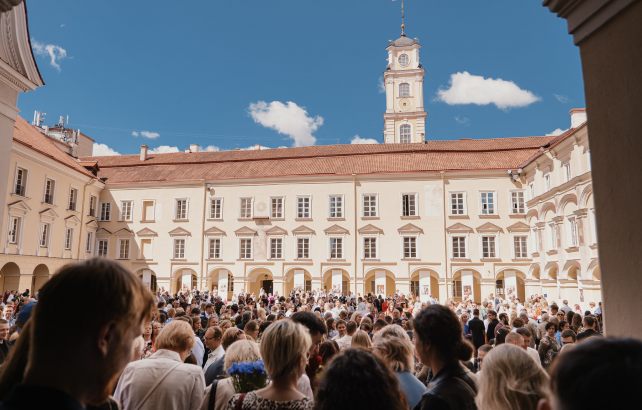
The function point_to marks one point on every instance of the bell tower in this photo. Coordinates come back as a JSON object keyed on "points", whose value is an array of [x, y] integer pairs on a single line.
{"points": [[405, 118]]}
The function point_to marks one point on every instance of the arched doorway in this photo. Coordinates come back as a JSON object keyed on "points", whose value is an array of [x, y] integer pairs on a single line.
{"points": [[39, 278], [512, 282], [467, 284], [297, 277], [184, 279], [570, 288], [148, 277], [423, 283], [380, 282], [221, 282], [10, 277], [260, 278]]}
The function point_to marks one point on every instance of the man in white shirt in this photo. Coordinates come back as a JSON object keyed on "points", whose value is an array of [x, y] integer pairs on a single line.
{"points": [[346, 330], [526, 336], [213, 338]]}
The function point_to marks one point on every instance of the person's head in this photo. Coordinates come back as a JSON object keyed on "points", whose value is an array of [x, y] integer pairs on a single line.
{"points": [[492, 315], [463, 318], [563, 325], [106, 336], [526, 336], [341, 327], [247, 316], [501, 336], [438, 335], [361, 339], [344, 378], [392, 345], [554, 309], [351, 327], [213, 337], [178, 337], [514, 338], [242, 351], [503, 317], [482, 352], [285, 349], [315, 327], [568, 337], [137, 348], [476, 312], [251, 329], [378, 325], [231, 335], [588, 323], [396, 314], [224, 325], [517, 323], [4, 329], [550, 328], [565, 302], [212, 321], [615, 363], [512, 380]]}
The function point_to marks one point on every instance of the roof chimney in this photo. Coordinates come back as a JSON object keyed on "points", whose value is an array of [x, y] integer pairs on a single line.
{"points": [[194, 147], [143, 152], [578, 116], [189, 151], [257, 146]]}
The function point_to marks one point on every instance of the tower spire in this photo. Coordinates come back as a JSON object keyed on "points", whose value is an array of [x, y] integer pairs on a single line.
{"points": [[403, 26]]}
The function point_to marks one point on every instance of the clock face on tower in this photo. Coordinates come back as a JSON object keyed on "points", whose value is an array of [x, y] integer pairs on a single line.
{"points": [[404, 60]]}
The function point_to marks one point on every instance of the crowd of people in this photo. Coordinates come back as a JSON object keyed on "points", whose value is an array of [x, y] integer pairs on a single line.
{"points": [[134, 349]]}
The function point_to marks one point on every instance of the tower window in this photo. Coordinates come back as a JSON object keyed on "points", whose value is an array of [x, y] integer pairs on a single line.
{"points": [[404, 134], [404, 90], [404, 60]]}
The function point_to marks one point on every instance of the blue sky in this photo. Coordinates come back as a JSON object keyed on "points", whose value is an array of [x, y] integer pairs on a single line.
{"points": [[310, 69]]}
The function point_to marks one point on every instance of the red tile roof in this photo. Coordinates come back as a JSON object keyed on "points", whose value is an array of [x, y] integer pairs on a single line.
{"points": [[554, 141], [25, 134]]}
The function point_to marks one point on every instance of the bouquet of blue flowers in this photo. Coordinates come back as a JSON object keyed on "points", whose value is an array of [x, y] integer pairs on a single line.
{"points": [[248, 376]]}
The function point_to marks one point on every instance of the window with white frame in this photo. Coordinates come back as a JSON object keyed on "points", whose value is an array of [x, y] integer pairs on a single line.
{"points": [[409, 247], [303, 207], [181, 208], [125, 210], [276, 208], [404, 90], [245, 248], [303, 248], [487, 202], [404, 60], [458, 203], [105, 211], [216, 208], [457, 289], [14, 229], [336, 248], [531, 188], [405, 134], [567, 171], [73, 198], [123, 249], [179, 248], [336, 206], [409, 204], [518, 206], [520, 246], [88, 244], [103, 246], [370, 206], [488, 247], [552, 237], [215, 249], [572, 232], [50, 186], [547, 182], [245, 208], [459, 246], [20, 187], [68, 236], [92, 205], [276, 248], [535, 240], [44, 236], [370, 248]]}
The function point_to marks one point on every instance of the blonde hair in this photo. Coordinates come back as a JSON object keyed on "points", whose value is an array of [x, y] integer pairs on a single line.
{"points": [[354, 316], [395, 348], [230, 336], [362, 340], [241, 351], [282, 345], [177, 336], [512, 380], [138, 345]]}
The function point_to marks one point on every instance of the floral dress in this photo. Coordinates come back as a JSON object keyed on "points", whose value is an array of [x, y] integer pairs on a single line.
{"points": [[254, 401], [546, 350]]}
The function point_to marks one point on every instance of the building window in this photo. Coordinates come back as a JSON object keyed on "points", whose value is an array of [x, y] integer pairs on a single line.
{"points": [[276, 208], [517, 202], [499, 287], [179, 248], [404, 90], [336, 206], [68, 235], [303, 207], [488, 247], [409, 247], [414, 288], [44, 235], [487, 203], [457, 203], [88, 246], [215, 249], [230, 282], [370, 206], [21, 182], [567, 171], [102, 248], [303, 248], [370, 248], [405, 134], [457, 288], [404, 60], [308, 285], [73, 197], [148, 211], [126, 210], [92, 206], [105, 211], [572, 230], [552, 237], [531, 188], [123, 249], [246, 249], [276, 248], [181, 209], [336, 248], [14, 229], [216, 208], [459, 246], [145, 248], [50, 186], [246, 208], [409, 205], [547, 182], [520, 246]]}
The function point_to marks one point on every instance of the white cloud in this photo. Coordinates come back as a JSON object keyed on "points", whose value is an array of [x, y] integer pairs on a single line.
{"points": [[288, 119], [463, 121], [358, 140], [382, 86], [562, 98], [135, 134], [163, 149], [211, 148], [102, 150], [474, 89], [558, 131], [56, 53], [150, 135], [62, 25]]}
